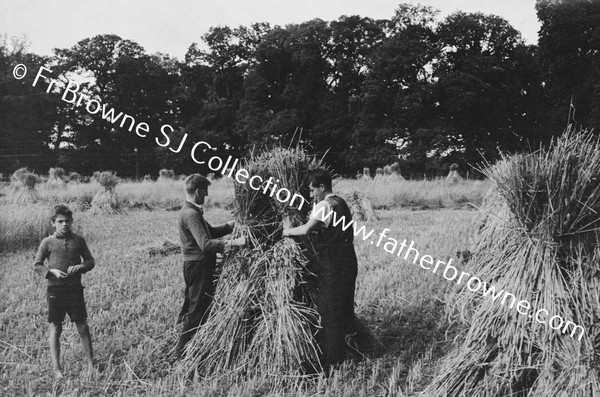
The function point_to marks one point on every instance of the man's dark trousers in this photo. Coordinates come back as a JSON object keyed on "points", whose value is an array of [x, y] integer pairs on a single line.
{"points": [[199, 291]]}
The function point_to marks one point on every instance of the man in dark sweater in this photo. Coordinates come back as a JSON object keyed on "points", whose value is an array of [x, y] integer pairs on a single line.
{"points": [[199, 246], [337, 267], [65, 251]]}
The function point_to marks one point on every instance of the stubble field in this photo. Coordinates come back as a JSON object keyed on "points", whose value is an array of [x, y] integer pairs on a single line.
{"points": [[133, 298]]}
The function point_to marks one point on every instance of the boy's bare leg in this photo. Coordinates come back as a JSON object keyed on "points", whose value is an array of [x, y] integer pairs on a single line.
{"points": [[86, 341], [54, 337]]}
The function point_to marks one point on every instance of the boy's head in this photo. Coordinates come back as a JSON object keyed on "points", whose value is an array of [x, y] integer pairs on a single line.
{"points": [[320, 183], [62, 219], [196, 188]]}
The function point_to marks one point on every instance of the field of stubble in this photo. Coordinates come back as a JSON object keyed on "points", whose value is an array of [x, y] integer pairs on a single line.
{"points": [[133, 298]]}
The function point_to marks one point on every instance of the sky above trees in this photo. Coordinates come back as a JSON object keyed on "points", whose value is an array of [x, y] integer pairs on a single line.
{"points": [[171, 27]]}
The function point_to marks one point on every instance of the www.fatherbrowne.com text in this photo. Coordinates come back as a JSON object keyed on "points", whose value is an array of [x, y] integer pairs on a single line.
{"points": [[449, 272]]}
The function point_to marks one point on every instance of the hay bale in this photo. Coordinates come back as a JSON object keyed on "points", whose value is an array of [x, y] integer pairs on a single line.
{"points": [[166, 175], [25, 192], [378, 173], [541, 246], [56, 179], [396, 174], [17, 178], [106, 200], [366, 174], [95, 176], [147, 178], [75, 178], [263, 315], [360, 205], [387, 170], [453, 175]]}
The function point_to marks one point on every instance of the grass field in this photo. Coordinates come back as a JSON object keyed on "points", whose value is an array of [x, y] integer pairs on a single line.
{"points": [[133, 299]]}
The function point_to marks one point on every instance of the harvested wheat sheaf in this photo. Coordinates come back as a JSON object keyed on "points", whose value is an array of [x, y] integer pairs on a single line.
{"points": [[25, 191], [360, 205], [56, 179], [106, 201], [263, 316], [538, 241]]}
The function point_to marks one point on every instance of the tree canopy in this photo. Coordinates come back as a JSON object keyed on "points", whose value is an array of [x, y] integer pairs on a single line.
{"points": [[415, 89]]}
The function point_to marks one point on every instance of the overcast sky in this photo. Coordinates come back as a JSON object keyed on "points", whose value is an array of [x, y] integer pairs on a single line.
{"points": [[170, 27]]}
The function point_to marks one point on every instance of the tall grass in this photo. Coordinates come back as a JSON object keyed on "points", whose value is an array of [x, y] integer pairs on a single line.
{"points": [[133, 303], [388, 194]]}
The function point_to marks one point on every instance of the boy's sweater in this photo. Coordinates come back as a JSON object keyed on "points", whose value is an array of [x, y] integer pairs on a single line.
{"points": [[62, 252], [198, 237]]}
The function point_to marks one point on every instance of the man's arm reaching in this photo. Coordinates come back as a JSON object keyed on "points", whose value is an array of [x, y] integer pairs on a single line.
{"points": [[221, 230]]}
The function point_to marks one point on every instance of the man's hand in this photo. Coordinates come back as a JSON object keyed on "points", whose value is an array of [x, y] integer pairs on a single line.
{"points": [[57, 273], [74, 269], [238, 242]]}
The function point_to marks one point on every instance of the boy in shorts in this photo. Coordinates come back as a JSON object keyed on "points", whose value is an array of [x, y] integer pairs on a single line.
{"points": [[68, 258]]}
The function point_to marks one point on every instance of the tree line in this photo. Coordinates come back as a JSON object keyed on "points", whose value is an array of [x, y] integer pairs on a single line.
{"points": [[414, 89]]}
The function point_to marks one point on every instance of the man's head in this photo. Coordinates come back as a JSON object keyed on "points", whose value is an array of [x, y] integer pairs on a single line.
{"points": [[62, 219], [196, 188], [320, 184]]}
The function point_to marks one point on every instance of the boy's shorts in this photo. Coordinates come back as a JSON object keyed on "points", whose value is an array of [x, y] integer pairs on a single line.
{"points": [[67, 299]]}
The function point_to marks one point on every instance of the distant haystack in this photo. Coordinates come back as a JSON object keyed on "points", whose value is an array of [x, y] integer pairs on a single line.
{"points": [[75, 177], [360, 205], [387, 170], [366, 174], [147, 178], [106, 200], [26, 193], [95, 176], [16, 180], [378, 173], [56, 179], [166, 175], [395, 172], [453, 176]]}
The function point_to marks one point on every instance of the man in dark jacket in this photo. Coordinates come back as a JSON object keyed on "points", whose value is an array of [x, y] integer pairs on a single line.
{"points": [[199, 246], [337, 266]]}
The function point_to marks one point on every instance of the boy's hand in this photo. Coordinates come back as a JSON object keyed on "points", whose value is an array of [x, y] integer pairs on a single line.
{"points": [[57, 273], [74, 269]]}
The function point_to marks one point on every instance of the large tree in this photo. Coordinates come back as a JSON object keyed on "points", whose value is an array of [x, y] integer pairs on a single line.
{"points": [[119, 74], [477, 104], [26, 113], [569, 50]]}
